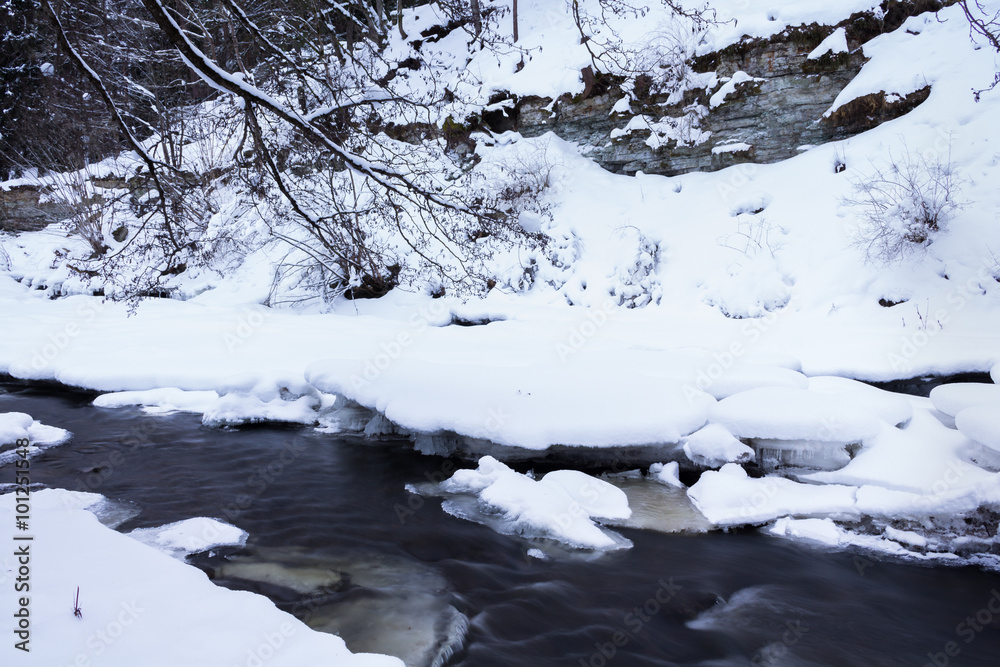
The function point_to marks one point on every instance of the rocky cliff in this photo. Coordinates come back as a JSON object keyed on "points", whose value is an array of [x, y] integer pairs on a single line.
{"points": [[775, 106]]}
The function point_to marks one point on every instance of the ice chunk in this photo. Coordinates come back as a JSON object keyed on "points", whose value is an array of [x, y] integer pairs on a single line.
{"points": [[714, 446], [18, 426], [981, 423], [562, 505], [667, 473], [784, 413], [181, 538], [166, 399], [254, 398], [953, 398]]}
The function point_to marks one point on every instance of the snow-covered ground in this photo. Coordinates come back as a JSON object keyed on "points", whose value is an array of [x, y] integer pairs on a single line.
{"points": [[756, 316]]}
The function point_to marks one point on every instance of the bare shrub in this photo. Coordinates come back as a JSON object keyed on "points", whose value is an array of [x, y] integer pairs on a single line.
{"points": [[902, 206]]}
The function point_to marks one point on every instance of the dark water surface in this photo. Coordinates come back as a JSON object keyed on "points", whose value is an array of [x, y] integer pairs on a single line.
{"points": [[317, 496]]}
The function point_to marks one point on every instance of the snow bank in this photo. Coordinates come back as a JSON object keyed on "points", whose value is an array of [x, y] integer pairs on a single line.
{"points": [[563, 505], [953, 398], [729, 497], [794, 414], [142, 607], [981, 423]]}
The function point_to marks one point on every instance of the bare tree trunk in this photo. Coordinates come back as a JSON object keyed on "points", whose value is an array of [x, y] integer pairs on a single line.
{"points": [[380, 15], [399, 18], [477, 17], [515, 19]]}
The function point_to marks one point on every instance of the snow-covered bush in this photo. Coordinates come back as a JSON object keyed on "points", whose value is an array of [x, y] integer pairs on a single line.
{"points": [[903, 205]]}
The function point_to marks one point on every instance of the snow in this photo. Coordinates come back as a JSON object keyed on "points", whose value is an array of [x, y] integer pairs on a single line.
{"points": [[752, 306], [728, 88], [714, 446], [953, 398], [159, 401], [136, 603], [981, 423], [18, 428], [835, 43], [828, 533], [182, 538], [786, 413], [738, 147], [563, 505], [728, 497], [667, 473]]}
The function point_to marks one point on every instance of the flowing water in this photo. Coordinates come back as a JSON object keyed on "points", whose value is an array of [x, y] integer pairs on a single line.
{"points": [[336, 540]]}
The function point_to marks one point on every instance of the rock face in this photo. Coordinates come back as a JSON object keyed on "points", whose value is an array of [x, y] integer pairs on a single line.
{"points": [[774, 111], [22, 211]]}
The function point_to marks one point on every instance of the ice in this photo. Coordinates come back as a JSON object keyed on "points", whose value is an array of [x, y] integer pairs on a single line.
{"points": [[714, 446], [18, 426], [667, 473], [159, 401], [182, 538], [142, 598], [835, 43], [784, 413], [563, 508], [953, 398], [252, 398], [826, 532], [661, 507], [981, 423], [529, 401]]}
